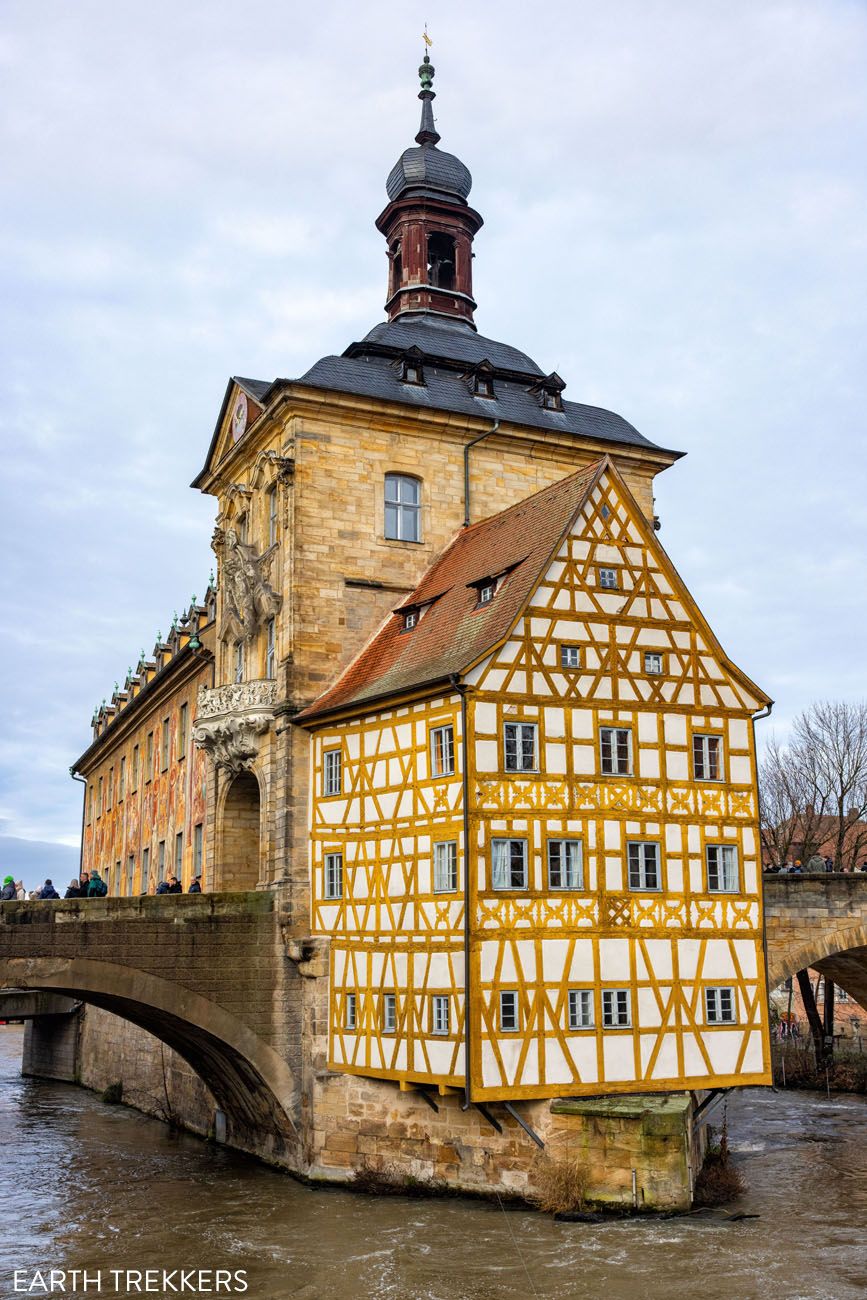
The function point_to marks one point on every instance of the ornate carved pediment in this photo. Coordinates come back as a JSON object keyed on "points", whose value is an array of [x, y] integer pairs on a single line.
{"points": [[230, 720], [249, 600]]}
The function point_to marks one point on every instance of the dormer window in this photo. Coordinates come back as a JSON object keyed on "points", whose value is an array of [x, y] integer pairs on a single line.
{"points": [[412, 367], [549, 391], [480, 380], [486, 592], [410, 619]]}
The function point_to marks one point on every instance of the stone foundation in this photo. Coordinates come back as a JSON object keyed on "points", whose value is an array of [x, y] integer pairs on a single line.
{"points": [[637, 1152]]}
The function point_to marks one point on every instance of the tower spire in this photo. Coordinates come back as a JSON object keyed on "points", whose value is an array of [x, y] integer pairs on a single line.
{"points": [[427, 132]]}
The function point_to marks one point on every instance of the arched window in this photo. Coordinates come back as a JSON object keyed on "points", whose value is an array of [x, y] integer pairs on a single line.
{"points": [[402, 508]]}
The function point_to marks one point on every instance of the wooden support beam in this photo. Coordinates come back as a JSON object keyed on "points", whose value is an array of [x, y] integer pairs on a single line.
{"points": [[817, 1029], [828, 1019]]}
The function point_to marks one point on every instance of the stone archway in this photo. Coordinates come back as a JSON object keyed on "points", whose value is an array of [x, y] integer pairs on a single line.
{"points": [[250, 1081], [240, 834]]}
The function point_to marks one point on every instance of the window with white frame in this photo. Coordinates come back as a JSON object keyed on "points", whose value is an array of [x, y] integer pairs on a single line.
{"points": [[509, 1015], [445, 867], [719, 1006], [402, 508], [333, 875], [509, 864], [580, 1008], [608, 579], [238, 674], [332, 771], [350, 1011], [706, 757], [653, 662], [487, 591], [616, 1009], [565, 864], [442, 750], [520, 746], [389, 1013], [615, 751], [570, 656], [272, 515], [722, 868], [410, 619], [271, 649], [643, 860], [439, 1013]]}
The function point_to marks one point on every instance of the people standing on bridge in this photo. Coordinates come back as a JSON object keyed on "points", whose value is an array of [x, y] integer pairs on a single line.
{"points": [[163, 887], [48, 890], [20, 891], [175, 886], [74, 888], [8, 890], [96, 887], [83, 882], [196, 884]]}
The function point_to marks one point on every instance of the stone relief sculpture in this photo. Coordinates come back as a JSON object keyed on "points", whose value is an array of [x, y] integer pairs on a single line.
{"points": [[249, 600]]}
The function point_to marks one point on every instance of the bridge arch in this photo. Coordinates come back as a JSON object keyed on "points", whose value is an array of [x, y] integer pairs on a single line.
{"points": [[845, 947], [250, 1082]]}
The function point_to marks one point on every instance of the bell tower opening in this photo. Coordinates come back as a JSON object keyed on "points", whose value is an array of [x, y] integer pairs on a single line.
{"points": [[441, 260], [240, 839]]}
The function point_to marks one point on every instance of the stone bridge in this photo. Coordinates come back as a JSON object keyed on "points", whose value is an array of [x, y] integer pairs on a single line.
{"points": [[818, 921], [207, 974]]}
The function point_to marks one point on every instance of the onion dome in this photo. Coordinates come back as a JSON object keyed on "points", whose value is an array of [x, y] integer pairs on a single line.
{"points": [[427, 168]]}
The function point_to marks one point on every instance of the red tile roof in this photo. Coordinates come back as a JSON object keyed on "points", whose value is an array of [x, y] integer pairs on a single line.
{"points": [[455, 631]]}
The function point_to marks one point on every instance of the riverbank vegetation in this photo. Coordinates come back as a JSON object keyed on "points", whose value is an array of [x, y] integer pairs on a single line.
{"points": [[719, 1181], [795, 1066]]}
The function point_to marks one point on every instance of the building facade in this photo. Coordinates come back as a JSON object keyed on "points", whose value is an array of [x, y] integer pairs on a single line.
{"points": [[452, 701]]}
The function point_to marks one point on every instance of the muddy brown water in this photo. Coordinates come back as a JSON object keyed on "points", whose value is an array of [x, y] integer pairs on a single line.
{"points": [[86, 1185]]}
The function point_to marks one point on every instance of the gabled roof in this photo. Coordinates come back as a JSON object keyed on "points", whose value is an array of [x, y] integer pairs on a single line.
{"points": [[454, 631]]}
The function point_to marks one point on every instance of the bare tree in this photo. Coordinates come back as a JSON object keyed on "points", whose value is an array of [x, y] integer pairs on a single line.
{"points": [[833, 734], [792, 808]]}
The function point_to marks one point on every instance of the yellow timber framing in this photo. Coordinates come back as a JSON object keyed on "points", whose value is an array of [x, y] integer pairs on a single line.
{"points": [[672, 944]]}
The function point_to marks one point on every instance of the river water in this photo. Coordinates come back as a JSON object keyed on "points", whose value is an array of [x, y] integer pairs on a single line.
{"points": [[86, 1185]]}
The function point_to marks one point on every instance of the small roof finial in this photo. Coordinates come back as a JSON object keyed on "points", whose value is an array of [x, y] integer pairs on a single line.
{"points": [[427, 132]]}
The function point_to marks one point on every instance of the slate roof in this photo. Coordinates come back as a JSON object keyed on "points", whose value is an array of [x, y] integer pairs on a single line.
{"points": [[455, 631], [428, 170], [449, 350], [257, 388]]}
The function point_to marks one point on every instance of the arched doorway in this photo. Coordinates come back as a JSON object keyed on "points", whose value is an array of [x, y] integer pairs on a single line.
{"points": [[240, 840]]}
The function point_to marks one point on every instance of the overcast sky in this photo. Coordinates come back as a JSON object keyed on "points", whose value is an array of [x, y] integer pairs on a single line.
{"points": [[674, 201]]}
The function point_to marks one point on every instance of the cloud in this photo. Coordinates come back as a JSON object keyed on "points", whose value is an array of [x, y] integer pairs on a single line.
{"points": [[673, 198]]}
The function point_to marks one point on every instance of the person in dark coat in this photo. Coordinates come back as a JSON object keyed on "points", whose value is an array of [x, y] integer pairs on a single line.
{"points": [[48, 891], [163, 887], [74, 890], [96, 886], [8, 890], [175, 886], [196, 885]]}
